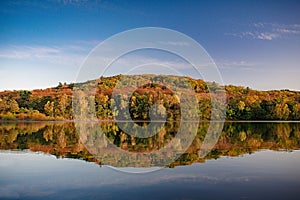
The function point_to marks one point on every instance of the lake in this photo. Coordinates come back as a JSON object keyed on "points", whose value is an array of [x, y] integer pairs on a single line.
{"points": [[50, 160]]}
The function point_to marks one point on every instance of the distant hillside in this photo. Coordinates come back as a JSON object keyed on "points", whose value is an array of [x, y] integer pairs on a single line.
{"points": [[56, 103]]}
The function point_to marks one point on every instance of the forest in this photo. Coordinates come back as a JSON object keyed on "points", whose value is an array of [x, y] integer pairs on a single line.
{"points": [[243, 103]]}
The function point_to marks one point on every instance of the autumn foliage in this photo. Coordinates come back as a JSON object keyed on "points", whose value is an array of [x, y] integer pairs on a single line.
{"points": [[56, 103]]}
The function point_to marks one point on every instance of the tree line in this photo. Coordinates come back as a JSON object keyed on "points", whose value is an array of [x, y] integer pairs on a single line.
{"points": [[55, 103]]}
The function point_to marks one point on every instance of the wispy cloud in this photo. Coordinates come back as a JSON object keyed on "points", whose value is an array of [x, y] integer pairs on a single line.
{"points": [[236, 65], [268, 31], [25, 52], [267, 36], [290, 31], [68, 54], [172, 43], [73, 55], [54, 55]]}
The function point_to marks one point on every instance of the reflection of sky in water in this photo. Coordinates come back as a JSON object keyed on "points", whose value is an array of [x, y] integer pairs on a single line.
{"points": [[263, 175]]}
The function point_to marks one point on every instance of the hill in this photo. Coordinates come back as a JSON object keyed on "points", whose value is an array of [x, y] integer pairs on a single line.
{"points": [[56, 103]]}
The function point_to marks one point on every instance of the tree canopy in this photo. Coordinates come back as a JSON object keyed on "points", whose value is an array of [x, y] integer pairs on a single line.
{"points": [[55, 103]]}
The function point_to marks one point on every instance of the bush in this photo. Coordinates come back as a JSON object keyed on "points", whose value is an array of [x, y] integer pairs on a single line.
{"points": [[8, 116]]}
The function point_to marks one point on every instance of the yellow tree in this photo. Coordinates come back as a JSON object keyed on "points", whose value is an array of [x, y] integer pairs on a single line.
{"points": [[13, 106], [62, 105], [49, 108]]}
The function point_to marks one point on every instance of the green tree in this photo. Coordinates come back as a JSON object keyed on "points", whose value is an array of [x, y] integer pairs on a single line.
{"points": [[23, 101]]}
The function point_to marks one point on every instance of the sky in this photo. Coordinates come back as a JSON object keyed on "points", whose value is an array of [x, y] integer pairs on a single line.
{"points": [[255, 44]]}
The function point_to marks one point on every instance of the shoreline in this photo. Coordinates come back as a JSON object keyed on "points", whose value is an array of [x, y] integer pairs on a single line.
{"points": [[140, 121]]}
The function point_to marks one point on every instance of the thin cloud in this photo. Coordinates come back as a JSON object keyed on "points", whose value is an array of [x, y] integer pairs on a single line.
{"points": [[268, 31], [259, 25], [236, 65], [25, 52], [256, 35], [172, 43], [290, 31], [64, 54], [267, 36]]}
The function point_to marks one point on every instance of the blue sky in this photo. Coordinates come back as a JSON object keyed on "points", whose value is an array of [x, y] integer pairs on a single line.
{"points": [[255, 44]]}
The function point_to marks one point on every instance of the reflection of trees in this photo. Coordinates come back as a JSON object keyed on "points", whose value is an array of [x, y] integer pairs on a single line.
{"points": [[59, 139], [164, 134], [62, 140]]}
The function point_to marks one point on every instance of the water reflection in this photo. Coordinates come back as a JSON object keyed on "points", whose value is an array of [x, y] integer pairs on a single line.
{"points": [[62, 140], [263, 175]]}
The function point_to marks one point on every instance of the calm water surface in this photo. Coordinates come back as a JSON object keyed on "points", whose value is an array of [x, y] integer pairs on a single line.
{"points": [[250, 161]]}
